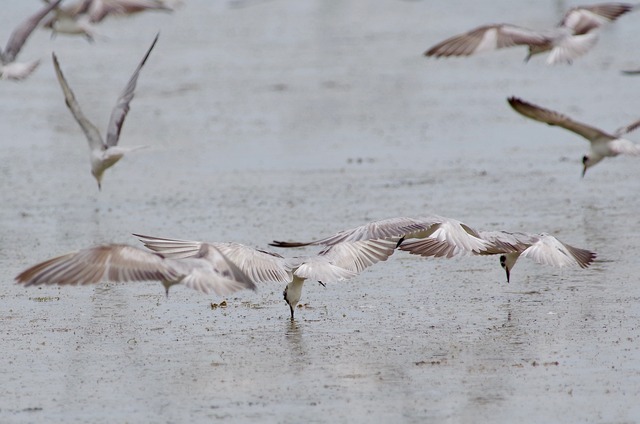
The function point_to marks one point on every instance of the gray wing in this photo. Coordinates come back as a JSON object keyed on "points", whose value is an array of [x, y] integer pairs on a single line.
{"points": [[121, 108], [90, 130], [557, 119], [20, 35], [548, 250], [584, 19], [627, 129], [503, 242], [95, 264], [359, 255], [487, 38], [210, 270], [343, 260], [443, 237], [381, 229], [100, 9], [259, 265]]}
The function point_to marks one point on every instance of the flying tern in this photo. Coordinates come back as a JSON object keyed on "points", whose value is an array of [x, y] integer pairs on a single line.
{"points": [[542, 248], [104, 152], [9, 68], [572, 38], [603, 144]]}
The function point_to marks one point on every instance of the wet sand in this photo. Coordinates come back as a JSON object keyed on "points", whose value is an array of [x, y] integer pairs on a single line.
{"points": [[292, 120]]}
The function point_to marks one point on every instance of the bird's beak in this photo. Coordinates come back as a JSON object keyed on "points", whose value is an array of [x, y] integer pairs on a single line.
{"points": [[508, 273], [584, 170]]}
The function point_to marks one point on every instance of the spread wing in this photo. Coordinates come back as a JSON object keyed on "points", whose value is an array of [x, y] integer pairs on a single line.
{"points": [[381, 229], [20, 35], [443, 237], [121, 108], [100, 9], [627, 129], [487, 38], [113, 262], [260, 266], [554, 118], [548, 250], [343, 260], [210, 270], [584, 19], [90, 130]]}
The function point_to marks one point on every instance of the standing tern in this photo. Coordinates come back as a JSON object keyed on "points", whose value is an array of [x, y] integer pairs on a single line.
{"points": [[9, 68], [603, 144], [572, 38], [206, 270], [104, 154], [338, 262], [542, 248]]}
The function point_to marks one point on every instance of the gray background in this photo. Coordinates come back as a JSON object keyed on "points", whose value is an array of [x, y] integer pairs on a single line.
{"points": [[289, 119]]}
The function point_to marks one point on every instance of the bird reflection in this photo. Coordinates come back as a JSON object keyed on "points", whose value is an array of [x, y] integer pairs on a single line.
{"points": [[297, 349]]}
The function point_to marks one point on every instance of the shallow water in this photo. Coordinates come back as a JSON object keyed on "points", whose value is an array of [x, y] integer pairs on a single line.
{"points": [[291, 120]]}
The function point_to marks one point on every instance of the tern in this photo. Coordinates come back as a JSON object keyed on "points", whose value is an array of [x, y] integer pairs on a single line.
{"points": [[572, 38], [104, 153], [206, 270], [97, 10], [338, 262], [79, 17], [542, 248], [436, 236], [9, 68], [603, 144]]}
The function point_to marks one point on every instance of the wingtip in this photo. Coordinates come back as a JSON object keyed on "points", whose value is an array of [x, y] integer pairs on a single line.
{"points": [[277, 243]]}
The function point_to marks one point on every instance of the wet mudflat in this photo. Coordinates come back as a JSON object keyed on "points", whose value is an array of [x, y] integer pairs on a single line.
{"points": [[292, 120]]}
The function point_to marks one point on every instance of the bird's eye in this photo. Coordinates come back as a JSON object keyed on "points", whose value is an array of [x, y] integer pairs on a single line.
{"points": [[585, 158], [503, 260]]}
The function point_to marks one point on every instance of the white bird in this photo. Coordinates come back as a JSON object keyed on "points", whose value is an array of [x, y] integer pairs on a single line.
{"points": [[9, 68], [206, 270], [339, 262], [603, 144], [104, 153], [572, 38], [542, 248], [436, 235], [64, 22]]}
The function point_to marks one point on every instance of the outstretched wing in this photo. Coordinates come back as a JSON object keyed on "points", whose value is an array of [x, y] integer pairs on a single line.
{"points": [[113, 262], [554, 118], [443, 237], [259, 265], [583, 19], [487, 38], [119, 112], [90, 130], [548, 250], [210, 271], [20, 35], [381, 229]]}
